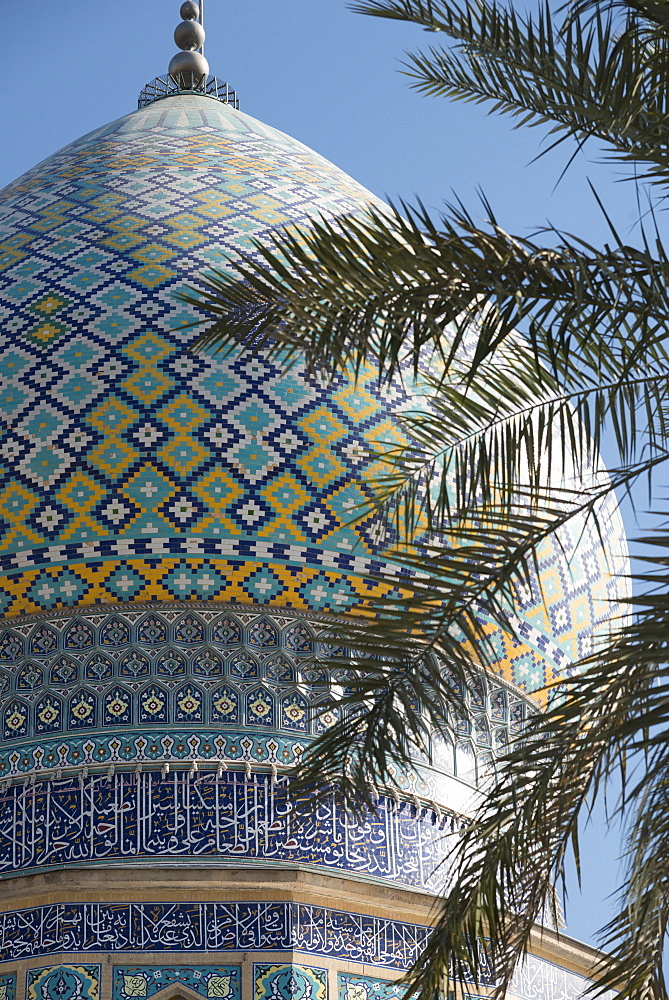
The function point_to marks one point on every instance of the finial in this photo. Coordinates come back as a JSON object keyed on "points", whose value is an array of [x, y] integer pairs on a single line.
{"points": [[189, 68]]}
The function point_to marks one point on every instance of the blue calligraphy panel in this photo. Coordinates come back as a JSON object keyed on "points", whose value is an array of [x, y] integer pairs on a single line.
{"points": [[230, 818], [207, 927], [537, 979]]}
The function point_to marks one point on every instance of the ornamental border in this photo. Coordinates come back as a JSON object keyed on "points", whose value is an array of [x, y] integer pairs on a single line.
{"points": [[247, 549], [407, 789], [89, 928], [114, 548], [525, 630]]}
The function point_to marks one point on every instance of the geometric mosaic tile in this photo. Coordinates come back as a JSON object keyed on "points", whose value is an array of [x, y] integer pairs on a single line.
{"points": [[179, 667], [63, 982], [212, 982], [289, 982], [122, 445]]}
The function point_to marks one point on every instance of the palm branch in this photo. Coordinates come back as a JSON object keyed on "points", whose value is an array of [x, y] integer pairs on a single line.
{"points": [[399, 292], [598, 73], [517, 844]]}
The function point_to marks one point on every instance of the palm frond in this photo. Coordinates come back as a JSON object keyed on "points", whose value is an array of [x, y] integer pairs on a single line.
{"points": [[397, 292], [409, 659], [386, 286], [504, 864], [497, 444], [592, 75]]}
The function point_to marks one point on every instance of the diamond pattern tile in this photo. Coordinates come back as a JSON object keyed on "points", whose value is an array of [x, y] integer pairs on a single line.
{"points": [[134, 469]]}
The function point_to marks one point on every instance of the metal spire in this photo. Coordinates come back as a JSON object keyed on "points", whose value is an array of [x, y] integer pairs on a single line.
{"points": [[189, 68]]}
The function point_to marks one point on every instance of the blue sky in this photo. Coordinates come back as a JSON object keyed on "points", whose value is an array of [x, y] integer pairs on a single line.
{"points": [[332, 79]]}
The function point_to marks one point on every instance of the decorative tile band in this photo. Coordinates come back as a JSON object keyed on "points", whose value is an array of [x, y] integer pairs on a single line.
{"points": [[276, 585], [209, 927], [63, 982], [210, 666], [248, 926], [528, 660], [223, 821], [74, 758], [537, 979], [230, 548], [48, 757], [214, 982], [248, 550], [289, 982]]}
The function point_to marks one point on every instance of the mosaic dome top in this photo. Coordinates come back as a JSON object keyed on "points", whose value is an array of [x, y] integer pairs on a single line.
{"points": [[135, 471]]}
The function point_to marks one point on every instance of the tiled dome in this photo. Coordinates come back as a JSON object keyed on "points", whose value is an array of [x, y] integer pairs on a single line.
{"points": [[138, 472], [175, 536]]}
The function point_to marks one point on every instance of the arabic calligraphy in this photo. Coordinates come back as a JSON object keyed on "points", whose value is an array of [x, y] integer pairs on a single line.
{"points": [[206, 927], [537, 979], [223, 820]]}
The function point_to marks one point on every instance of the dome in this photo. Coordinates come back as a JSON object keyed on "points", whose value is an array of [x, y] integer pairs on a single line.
{"points": [[137, 471], [176, 534]]}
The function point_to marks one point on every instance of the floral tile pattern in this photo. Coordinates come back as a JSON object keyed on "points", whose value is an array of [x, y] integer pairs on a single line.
{"points": [[213, 982]]}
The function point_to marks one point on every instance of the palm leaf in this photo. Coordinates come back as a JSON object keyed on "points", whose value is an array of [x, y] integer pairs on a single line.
{"points": [[409, 659], [516, 846], [386, 286], [592, 75], [398, 292]]}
